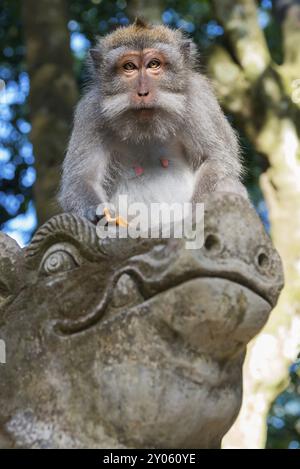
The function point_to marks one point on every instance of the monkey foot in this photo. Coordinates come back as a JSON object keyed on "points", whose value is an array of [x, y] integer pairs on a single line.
{"points": [[120, 221]]}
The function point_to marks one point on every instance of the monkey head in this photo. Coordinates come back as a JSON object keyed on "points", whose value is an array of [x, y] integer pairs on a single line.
{"points": [[142, 72]]}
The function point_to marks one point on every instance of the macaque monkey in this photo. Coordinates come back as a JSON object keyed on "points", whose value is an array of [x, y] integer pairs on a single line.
{"points": [[148, 126]]}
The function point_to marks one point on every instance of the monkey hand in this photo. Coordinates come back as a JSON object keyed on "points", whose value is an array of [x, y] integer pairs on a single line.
{"points": [[92, 214], [118, 220]]}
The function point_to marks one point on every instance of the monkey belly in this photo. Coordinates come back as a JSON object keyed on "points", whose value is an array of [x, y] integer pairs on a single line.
{"points": [[154, 173], [157, 185]]}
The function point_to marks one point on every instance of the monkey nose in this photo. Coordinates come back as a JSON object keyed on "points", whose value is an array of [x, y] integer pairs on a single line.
{"points": [[143, 94]]}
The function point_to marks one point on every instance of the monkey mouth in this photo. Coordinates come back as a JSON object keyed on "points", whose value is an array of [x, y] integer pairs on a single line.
{"points": [[145, 112], [142, 105], [145, 107]]}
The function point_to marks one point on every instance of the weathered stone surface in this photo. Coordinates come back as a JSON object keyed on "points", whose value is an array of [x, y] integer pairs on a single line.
{"points": [[132, 343], [11, 267]]}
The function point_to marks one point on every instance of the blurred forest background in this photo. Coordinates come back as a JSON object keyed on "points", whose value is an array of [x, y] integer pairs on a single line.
{"points": [[251, 51]]}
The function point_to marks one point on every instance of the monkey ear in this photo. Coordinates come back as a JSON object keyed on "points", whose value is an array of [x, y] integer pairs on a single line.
{"points": [[189, 50], [96, 57]]}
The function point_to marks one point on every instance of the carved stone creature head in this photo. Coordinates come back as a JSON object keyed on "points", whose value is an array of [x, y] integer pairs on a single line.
{"points": [[131, 343]]}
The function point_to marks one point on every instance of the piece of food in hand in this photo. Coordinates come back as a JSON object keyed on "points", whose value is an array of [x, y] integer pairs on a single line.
{"points": [[118, 220]]}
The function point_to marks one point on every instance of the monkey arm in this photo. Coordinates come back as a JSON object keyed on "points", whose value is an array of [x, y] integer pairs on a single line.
{"points": [[211, 143], [81, 190], [228, 184], [84, 168], [79, 197], [211, 178]]}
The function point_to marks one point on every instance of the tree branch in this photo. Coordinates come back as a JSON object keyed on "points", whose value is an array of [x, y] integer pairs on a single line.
{"points": [[53, 94], [240, 22], [288, 14], [232, 88]]}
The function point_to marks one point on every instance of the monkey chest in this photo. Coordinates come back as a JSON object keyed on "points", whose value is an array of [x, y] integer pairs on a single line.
{"points": [[162, 180]]}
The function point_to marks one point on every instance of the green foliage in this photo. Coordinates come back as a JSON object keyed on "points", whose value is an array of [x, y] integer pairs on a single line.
{"points": [[92, 19], [284, 416], [15, 195]]}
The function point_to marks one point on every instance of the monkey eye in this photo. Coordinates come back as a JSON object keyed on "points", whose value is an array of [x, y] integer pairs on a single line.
{"points": [[154, 63], [129, 66]]}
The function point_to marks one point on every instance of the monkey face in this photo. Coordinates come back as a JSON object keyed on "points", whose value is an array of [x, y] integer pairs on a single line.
{"points": [[141, 71], [148, 93], [143, 80], [146, 76]]}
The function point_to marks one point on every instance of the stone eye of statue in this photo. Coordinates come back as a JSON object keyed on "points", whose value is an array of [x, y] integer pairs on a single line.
{"points": [[59, 259]]}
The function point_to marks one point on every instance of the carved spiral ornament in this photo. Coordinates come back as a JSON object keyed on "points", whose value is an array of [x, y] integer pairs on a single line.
{"points": [[59, 261]]}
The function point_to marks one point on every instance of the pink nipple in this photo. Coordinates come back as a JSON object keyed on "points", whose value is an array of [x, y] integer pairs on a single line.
{"points": [[138, 170], [164, 162]]}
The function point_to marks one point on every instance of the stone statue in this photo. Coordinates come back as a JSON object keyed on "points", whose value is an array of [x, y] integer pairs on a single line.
{"points": [[123, 343]]}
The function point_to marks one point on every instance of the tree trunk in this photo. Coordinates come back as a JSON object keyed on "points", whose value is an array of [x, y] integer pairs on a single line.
{"points": [[264, 98], [150, 11], [53, 94]]}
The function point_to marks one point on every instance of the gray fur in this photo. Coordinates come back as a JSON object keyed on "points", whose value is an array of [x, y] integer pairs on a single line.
{"points": [[108, 139]]}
